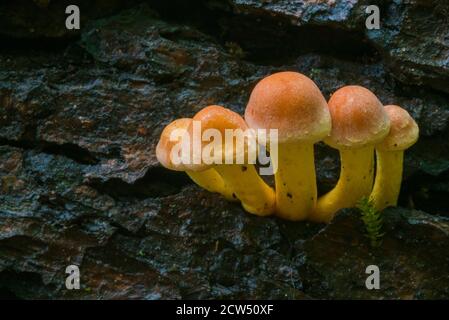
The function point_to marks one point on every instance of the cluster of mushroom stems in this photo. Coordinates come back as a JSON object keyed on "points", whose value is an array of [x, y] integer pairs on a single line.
{"points": [[371, 139]]}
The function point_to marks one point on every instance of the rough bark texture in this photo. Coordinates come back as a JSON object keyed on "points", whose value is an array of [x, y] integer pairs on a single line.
{"points": [[81, 113]]}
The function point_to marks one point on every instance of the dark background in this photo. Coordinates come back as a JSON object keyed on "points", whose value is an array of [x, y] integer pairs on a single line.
{"points": [[81, 113]]}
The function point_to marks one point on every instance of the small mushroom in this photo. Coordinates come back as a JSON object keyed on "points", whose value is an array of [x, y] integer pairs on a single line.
{"points": [[359, 122], [242, 178], [206, 178], [403, 134], [291, 103]]}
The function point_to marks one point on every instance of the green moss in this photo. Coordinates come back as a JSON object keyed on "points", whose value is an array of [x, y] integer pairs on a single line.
{"points": [[373, 221]]}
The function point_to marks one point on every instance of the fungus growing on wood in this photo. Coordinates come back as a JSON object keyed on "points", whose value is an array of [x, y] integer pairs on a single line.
{"points": [[206, 178], [403, 134], [291, 103], [242, 178], [359, 122]]}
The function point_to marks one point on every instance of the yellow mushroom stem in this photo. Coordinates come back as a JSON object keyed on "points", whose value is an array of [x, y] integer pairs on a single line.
{"points": [[355, 182], [295, 179], [211, 180], [388, 179], [255, 195]]}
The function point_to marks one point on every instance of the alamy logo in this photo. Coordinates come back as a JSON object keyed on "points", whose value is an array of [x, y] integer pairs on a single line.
{"points": [[73, 280], [373, 281], [73, 20], [373, 20], [236, 147]]}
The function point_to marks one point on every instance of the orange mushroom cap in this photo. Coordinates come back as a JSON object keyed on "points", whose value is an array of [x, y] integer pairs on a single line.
{"points": [[222, 119], [165, 145], [358, 118], [404, 131], [293, 104]]}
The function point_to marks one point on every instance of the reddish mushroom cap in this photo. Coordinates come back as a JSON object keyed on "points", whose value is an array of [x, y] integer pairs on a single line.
{"points": [[291, 103], [358, 118], [404, 131]]}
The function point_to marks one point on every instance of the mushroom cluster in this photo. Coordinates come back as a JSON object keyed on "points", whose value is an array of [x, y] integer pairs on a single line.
{"points": [[370, 138]]}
